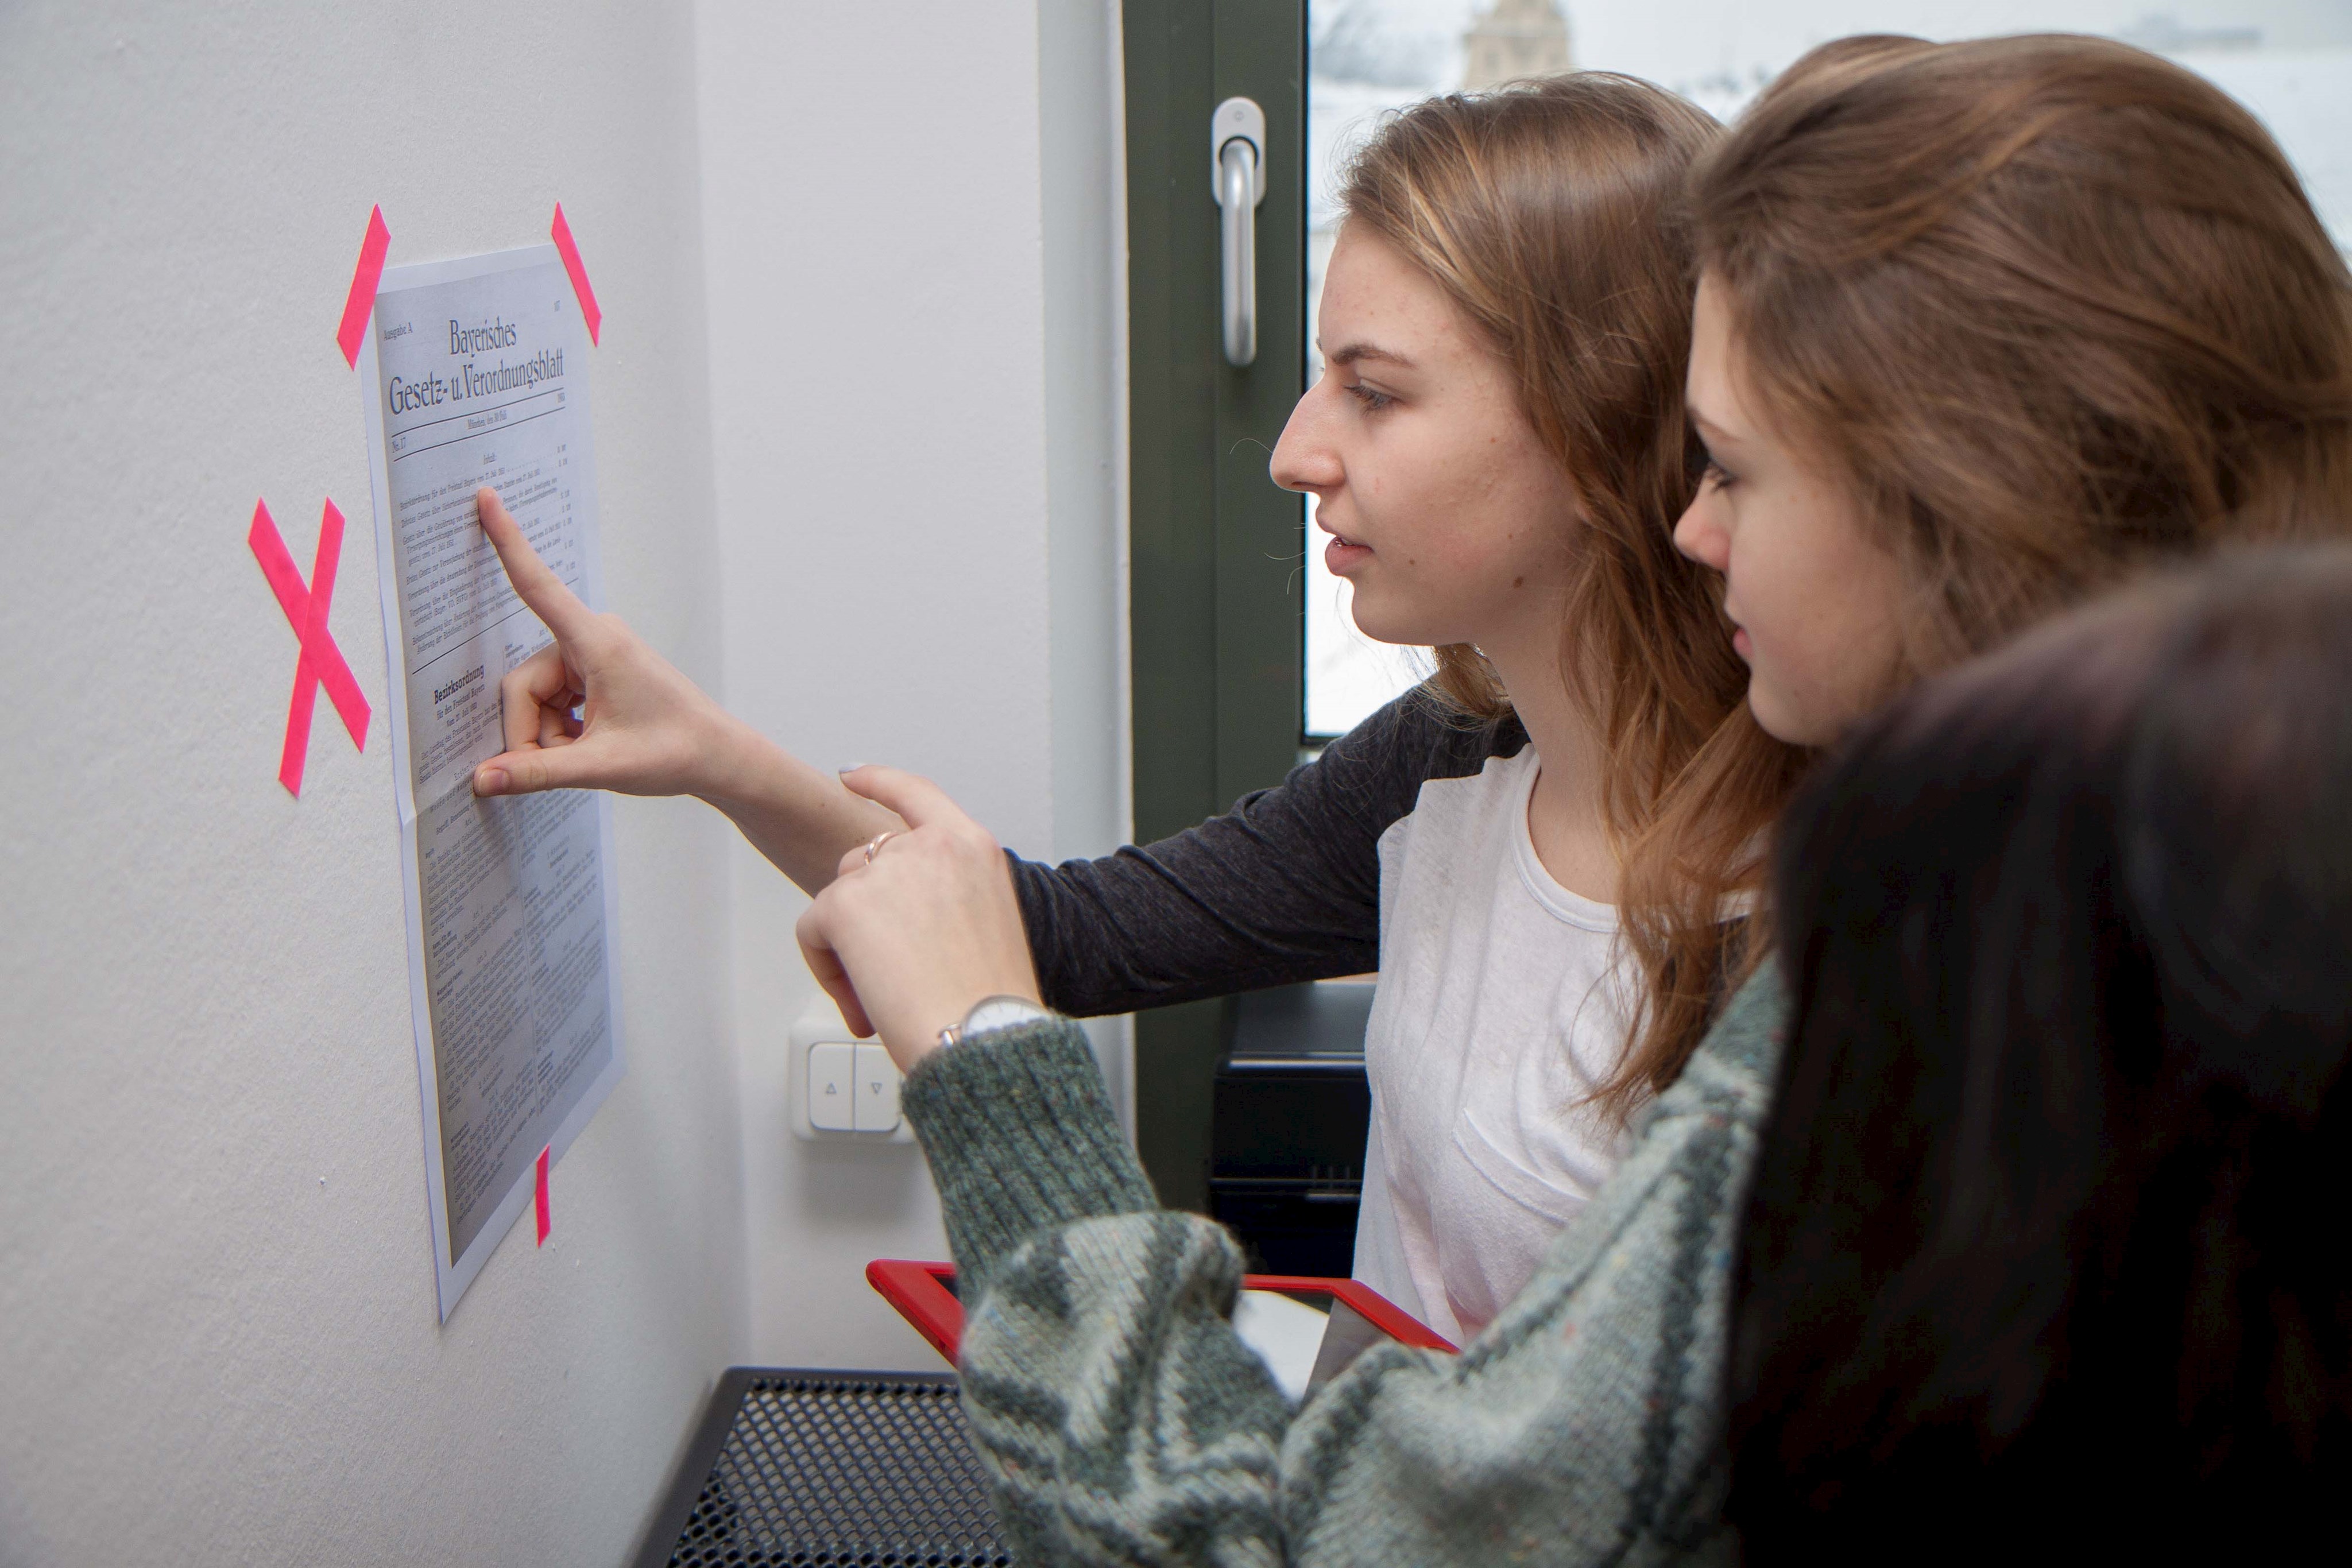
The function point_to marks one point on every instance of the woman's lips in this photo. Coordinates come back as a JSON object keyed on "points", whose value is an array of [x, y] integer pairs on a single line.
{"points": [[1741, 645], [1343, 553]]}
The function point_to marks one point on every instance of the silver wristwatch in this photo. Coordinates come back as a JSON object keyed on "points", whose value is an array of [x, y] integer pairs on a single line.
{"points": [[991, 1013]]}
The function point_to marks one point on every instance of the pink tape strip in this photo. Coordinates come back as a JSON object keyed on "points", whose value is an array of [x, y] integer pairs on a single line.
{"points": [[324, 657], [540, 1196], [361, 298], [562, 232], [321, 662]]}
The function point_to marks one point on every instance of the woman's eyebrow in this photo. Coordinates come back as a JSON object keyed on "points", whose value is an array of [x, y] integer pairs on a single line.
{"points": [[1709, 430], [1353, 353]]}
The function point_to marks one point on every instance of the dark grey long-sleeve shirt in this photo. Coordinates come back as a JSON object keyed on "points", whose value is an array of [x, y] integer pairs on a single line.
{"points": [[1285, 887]]}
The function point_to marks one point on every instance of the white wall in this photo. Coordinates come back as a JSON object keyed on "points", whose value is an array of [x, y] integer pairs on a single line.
{"points": [[917, 394], [217, 1334], [857, 452]]}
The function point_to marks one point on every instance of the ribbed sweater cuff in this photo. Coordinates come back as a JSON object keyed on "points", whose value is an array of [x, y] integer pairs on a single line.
{"points": [[1021, 1137]]}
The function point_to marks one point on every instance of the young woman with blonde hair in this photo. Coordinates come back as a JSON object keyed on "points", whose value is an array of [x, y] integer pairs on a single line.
{"points": [[1499, 450], [1982, 328]]}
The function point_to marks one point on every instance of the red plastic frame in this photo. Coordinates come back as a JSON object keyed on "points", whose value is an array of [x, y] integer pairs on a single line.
{"points": [[919, 1292]]}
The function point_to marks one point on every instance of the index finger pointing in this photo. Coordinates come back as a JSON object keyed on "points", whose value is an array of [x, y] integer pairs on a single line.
{"points": [[916, 799], [537, 583]]}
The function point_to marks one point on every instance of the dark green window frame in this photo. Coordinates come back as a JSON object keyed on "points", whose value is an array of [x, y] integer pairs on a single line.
{"points": [[1216, 550]]}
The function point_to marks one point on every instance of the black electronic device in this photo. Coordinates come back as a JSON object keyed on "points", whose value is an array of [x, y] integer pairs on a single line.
{"points": [[1292, 1109]]}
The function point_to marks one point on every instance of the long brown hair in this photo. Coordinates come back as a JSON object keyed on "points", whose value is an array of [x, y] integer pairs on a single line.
{"points": [[1552, 212], [2054, 307]]}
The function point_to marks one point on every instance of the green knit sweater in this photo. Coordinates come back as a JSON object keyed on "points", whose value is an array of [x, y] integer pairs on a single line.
{"points": [[1124, 1422]]}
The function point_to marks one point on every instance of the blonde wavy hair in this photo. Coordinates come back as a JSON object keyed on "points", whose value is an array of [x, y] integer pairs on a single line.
{"points": [[1553, 214]]}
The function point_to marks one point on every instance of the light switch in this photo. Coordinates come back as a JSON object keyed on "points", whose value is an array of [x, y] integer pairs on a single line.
{"points": [[841, 1092], [878, 1091], [833, 1088]]}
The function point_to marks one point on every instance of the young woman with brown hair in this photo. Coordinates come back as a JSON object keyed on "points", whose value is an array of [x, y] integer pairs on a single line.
{"points": [[1498, 449], [1983, 328]]}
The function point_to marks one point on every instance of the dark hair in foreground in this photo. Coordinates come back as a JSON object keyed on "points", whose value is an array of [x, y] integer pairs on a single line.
{"points": [[2049, 1234]]}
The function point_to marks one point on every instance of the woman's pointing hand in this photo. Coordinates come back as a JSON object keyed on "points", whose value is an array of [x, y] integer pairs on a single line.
{"points": [[641, 727]]}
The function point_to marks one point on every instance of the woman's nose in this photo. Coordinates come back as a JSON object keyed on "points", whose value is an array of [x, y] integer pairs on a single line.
{"points": [[1700, 535], [1302, 459]]}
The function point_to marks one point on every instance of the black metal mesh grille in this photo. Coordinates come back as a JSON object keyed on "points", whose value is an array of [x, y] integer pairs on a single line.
{"points": [[825, 1471]]}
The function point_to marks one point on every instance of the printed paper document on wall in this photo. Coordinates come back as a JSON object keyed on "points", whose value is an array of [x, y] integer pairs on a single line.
{"points": [[474, 373]]}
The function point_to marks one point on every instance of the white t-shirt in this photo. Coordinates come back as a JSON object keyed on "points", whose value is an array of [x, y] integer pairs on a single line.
{"points": [[1502, 1006]]}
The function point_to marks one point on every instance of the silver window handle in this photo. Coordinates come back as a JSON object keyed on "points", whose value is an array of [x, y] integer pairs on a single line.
{"points": [[1237, 155]]}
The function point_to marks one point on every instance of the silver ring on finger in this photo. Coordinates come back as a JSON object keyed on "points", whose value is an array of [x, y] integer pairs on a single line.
{"points": [[874, 845]]}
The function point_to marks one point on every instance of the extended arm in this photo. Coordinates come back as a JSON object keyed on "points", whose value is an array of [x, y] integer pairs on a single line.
{"points": [[798, 816], [1284, 887], [644, 729]]}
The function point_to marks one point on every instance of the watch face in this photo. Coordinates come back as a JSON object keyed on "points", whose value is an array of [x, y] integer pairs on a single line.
{"points": [[998, 1012]]}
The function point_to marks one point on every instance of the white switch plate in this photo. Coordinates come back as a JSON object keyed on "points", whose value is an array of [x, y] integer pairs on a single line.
{"points": [[825, 1054]]}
